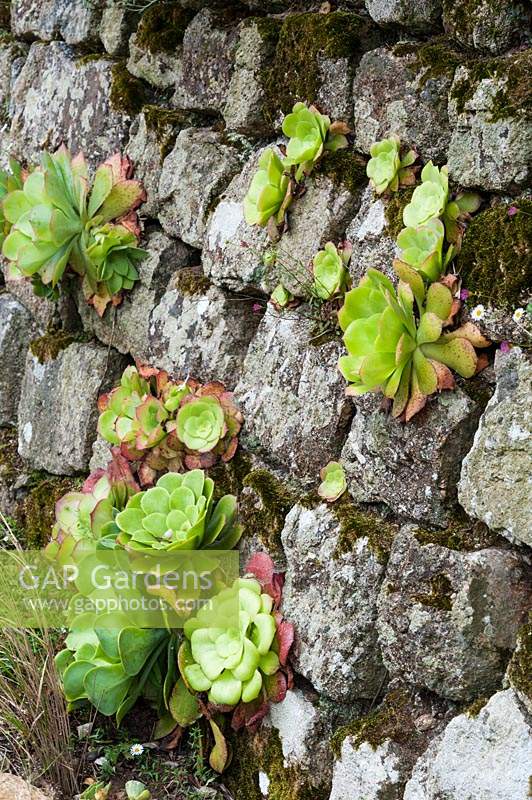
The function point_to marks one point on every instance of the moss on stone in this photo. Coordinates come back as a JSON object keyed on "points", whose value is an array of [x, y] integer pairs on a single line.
{"points": [[89, 58], [191, 280], [393, 212], [346, 168], [391, 720], [127, 94], [440, 594], [166, 123], [264, 508], [356, 523], [162, 27], [435, 59], [520, 668], [304, 40], [229, 477], [461, 534], [10, 461], [262, 752], [36, 514], [495, 262], [47, 347], [474, 709], [513, 97]]}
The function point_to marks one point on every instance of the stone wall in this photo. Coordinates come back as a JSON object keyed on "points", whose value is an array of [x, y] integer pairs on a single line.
{"points": [[410, 595]]}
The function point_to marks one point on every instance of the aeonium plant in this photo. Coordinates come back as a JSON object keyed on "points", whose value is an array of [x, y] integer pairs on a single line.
{"points": [[330, 274], [422, 249], [397, 343], [310, 134], [57, 221], [431, 199], [386, 169], [269, 194], [333, 482], [235, 656]]}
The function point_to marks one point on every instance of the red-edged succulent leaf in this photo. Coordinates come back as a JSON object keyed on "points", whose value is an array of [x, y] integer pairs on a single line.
{"points": [[121, 166], [147, 475], [285, 637], [443, 375], [276, 687], [470, 332], [249, 715], [261, 566]]}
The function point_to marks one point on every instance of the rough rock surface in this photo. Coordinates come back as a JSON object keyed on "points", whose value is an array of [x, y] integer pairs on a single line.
{"points": [[303, 733], [208, 59], [16, 330], [233, 250], [146, 150], [12, 786], [420, 15], [161, 69], [75, 21], [487, 26], [394, 94], [292, 396], [495, 483], [412, 468], [196, 171], [368, 233], [331, 599], [57, 413], [116, 27], [244, 109], [12, 56], [373, 773], [205, 334], [447, 619], [485, 757], [127, 327], [57, 99], [490, 146], [45, 315]]}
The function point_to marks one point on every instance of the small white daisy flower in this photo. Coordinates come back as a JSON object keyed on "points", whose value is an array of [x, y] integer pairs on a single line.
{"points": [[478, 312], [518, 314], [136, 749]]}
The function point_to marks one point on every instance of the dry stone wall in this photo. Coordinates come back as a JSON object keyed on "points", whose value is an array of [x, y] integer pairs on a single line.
{"points": [[410, 595]]}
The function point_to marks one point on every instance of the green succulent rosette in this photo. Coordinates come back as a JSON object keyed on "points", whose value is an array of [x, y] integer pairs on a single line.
{"points": [[178, 513], [10, 181], [404, 355], [232, 645], [429, 199], [422, 249], [333, 482], [310, 133], [330, 274], [269, 192], [201, 423], [386, 169], [115, 256]]}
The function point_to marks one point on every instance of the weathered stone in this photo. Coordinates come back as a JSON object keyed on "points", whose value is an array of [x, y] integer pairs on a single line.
{"points": [[420, 15], [368, 772], [76, 21], [331, 598], [412, 468], [486, 757], [116, 27], [10, 51], [57, 413], [16, 330], [194, 174], [369, 234], [486, 25], [56, 99], [491, 144], [495, 483], [448, 618], [233, 250], [304, 733], [208, 58], [292, 396], [202, 332], [101, 454], [127, 327], [519, 675], [397, 93], [146, 150], [11, 786], [155, 64], [61, 314], [244, 110]]}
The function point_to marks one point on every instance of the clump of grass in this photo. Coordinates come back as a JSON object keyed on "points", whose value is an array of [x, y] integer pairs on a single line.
{"points": [[34, 723]]}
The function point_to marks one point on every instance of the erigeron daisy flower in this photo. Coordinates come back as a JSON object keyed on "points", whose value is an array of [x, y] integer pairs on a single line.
{"points": [[478, 312], [136, 750], [518, 314]]}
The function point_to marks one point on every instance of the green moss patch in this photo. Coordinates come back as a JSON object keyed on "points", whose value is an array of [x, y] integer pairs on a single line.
{"points": [[495, 262], [36, 514], [346, 168], [513, 97], [304, 41], [128, 94], [393, 212], [191, 280], [47, 347], [356, 523], [264, 508], [440, 594], [476, 707], [520, 668], [162, 27], [462, 533], [436, 59], [10, 462], [391, 720]]}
